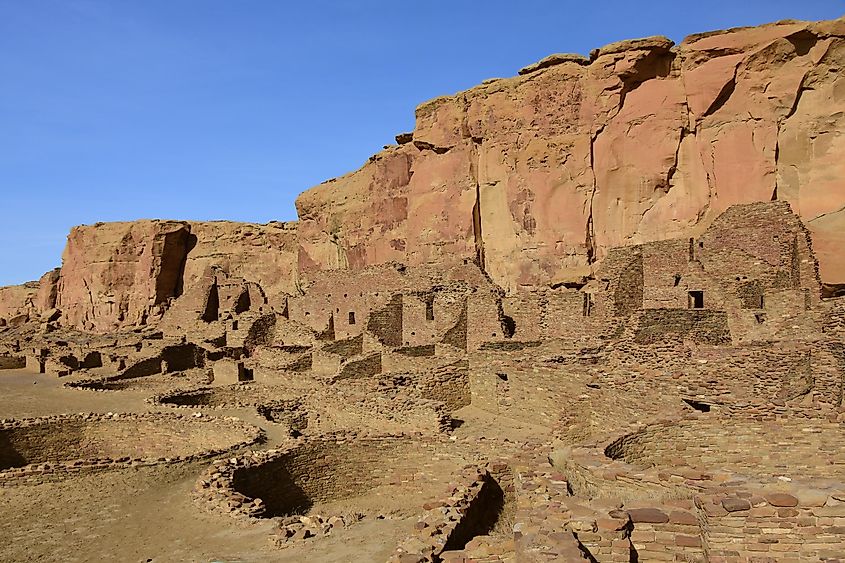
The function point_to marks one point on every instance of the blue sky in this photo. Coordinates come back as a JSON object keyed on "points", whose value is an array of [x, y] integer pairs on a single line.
{"points": [[209, 109]]}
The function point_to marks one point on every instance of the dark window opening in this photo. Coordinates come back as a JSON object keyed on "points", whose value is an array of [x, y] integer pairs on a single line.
{"points": [[760, 318], [429, 310], [761, 302], [502, 376], [351, 317], [692, 249], [212, 305], [677, 280], [699, 406], [509, 326], [588, 304], [243, 303], [696, 300], [234, 325], [700, 244]]}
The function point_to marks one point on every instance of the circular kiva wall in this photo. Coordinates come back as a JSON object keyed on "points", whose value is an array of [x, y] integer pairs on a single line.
{"points": [[793, 448], [230, 396], [318, 471], [71, 440]]}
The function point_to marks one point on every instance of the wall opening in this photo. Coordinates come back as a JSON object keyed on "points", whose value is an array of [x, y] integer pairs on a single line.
{"points": [[696, 300], [677, 280], [212, 305], [508, 326], [588, 304], [697, 405], [243, 303], [352, 317], [429, 309], [691, 249]]}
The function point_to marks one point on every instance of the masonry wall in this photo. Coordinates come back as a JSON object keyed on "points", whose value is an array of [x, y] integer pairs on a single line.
{"points": [[760, 448], [319, 471]]}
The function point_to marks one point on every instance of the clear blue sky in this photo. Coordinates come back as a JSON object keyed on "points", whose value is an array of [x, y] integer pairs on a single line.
{"points": [[210, 109]]}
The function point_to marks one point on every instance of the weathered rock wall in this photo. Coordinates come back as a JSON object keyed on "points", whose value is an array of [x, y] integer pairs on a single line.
{"points": [[17, 302], [537, 176], [122, 274]]}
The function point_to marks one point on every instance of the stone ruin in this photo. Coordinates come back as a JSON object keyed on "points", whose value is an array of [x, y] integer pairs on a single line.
{"points": [[595, 381]]}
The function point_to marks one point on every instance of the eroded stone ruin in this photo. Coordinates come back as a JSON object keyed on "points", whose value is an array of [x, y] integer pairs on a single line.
{"points": [[593, 312]]}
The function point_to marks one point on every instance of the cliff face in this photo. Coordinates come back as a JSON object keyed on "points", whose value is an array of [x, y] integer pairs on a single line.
{"points": [[537, 176], [124, 274], [120, 273], [533, 177]]}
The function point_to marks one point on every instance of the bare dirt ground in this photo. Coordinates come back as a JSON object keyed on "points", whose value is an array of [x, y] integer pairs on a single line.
{"points": [[146, 514]]}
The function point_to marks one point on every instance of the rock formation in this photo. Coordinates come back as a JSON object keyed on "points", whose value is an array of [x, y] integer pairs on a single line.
{"points": [[590, 313], [538, 175], [533, 178]]}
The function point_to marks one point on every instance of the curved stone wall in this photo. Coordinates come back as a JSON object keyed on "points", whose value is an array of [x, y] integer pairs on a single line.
{"points": [[48, 445], [791, 448]]}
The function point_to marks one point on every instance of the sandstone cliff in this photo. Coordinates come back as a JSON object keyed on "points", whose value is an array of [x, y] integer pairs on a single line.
{"points": [[119, 274], [533, 177], [537, 176]]}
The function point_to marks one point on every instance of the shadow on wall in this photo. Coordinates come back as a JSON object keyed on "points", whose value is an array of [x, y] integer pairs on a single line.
{"points": [[9, 456], [481, 516], [317, 472], [274, 484]]}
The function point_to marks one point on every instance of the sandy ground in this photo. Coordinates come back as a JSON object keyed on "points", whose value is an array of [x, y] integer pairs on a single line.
{"points": [[147, 515]]}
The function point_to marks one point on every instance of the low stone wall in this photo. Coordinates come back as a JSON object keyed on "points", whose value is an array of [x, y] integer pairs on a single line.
{"points": [[291, 413], [448, 524], [38, 449], [790, 448], [12, 362], [289, 480], [238, 395], [449, 384], [774, 522], [367, 366]]}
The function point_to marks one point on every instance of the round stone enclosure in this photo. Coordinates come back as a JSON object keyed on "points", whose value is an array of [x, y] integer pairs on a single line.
{"points": [[119, 438], [229, 396], [798, 448], [319, 471]]}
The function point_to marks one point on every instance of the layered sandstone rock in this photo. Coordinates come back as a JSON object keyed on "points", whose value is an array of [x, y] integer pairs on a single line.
{"points": [[534, 178], [537, 176], [121, 273], [127, 274], [17, 303]]}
